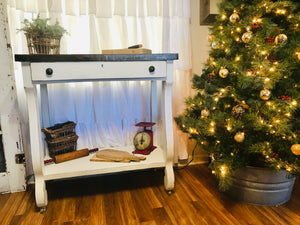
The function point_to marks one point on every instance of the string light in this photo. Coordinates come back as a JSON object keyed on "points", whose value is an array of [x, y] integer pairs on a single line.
{"points": [[272, 69], [280, 11], [223, 170]]}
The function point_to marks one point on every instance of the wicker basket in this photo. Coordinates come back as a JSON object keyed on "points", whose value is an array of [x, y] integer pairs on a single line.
{"points": [[60, 130], [46, 44], [62, 145], [61, 138]]}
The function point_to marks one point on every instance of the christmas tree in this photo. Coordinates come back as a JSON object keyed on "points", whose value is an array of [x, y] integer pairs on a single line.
{"points": [[246, 107]]}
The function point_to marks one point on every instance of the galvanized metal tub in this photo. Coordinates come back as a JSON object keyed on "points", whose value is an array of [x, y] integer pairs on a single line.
{"points": [[261, 186]]}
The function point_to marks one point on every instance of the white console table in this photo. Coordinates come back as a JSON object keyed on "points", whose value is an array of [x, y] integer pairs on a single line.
{"points": [[45, 69]]}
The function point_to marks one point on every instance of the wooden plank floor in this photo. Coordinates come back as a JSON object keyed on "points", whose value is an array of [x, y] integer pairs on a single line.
{"points": [[140, 198]]}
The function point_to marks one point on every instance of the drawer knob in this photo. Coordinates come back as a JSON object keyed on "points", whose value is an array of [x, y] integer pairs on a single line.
{"points": [[151, 69], [49, 71]]}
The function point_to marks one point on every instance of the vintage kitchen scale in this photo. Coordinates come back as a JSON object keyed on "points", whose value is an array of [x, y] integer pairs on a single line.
{"points": [[143, 140]]}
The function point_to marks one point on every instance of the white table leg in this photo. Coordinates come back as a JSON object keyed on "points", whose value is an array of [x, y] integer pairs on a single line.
{"points": [[169, 179], [37, 153]]}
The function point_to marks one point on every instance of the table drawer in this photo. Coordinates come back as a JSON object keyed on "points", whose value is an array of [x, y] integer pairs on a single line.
{"points": [[77, 71]]}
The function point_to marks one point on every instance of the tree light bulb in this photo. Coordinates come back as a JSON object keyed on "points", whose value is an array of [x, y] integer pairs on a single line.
{"points": [[267, 79], [238, 58], [294, 103], [223, 17], [272, 69], [288, 114]]}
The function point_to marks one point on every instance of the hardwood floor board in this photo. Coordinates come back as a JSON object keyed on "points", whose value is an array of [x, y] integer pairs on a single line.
{"points": [[128, 213], [98, 211], [142, 206], [139, 198], [10, 207], [161, 217], [112, 210]]}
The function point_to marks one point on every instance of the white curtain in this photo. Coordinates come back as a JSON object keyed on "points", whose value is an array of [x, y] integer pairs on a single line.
{"points": [[109, 109]]}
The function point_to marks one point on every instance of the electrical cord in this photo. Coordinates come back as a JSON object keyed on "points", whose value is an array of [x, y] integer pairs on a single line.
{"points": [[180, 168]]}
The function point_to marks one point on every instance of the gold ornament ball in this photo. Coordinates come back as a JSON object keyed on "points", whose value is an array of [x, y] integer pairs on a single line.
{"points": [[247, 37], [234, 17], [265, 94], [211, 38], [295, 149], [205, 112], [280, 38], [223, 72], [214, 45], [239, 137]]}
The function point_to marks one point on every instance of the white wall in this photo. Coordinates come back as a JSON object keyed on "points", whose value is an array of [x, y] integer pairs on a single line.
{"points": [[199, 34], [200, 49]]}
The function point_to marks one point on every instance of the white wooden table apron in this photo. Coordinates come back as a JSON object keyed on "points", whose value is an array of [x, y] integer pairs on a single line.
{"points": [[45, 69]]}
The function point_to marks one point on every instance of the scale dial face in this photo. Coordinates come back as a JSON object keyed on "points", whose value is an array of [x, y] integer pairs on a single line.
{"points": [[142, 140]]}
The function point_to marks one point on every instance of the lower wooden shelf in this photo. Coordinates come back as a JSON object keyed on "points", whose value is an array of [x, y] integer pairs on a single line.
{"points": [[84, 167]]}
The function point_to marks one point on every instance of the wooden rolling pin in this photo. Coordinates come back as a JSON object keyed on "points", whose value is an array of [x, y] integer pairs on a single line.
{"points": [[71, 155]]}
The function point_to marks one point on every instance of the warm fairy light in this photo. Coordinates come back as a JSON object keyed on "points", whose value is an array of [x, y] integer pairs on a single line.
{"points": [[249, 73], [283, 137], [288, 114], [212, 124], [237, 58], [193, 131], [222, 90], [192, 105], [238, 29], [223, 170], [272, 69], [183, 125], [256, 20], [273, 131], [280, 11], [223, 17], [277, 121], [221, 27], [226, 50], [267, 79], [216, 99], [218, 142], [228, 128], [294, 103], [289, 169], [268, 103], [267, 156], [214, 63], [213, 172], [263, 52], [261, 121], [231, 153], [212, 130], [237, 39]]}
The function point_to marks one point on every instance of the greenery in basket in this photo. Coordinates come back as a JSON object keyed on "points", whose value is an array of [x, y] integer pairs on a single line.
{"points": [[246, 110], [41, 27]]}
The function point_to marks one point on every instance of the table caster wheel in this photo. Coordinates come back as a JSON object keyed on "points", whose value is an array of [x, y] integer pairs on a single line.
{"points": [[42, 209], [169, 192]]}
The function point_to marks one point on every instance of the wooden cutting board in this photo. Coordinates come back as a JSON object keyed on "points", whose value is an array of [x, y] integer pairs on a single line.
{"points": [[112, 155]]}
